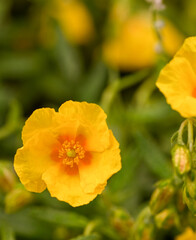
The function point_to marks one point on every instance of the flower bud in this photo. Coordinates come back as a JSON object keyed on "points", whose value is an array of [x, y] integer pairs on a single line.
{"points": [[144, 228], [193, 159], [181, 159], [190, 185], [180, 205], [167, 219], [162, 196], [17, 198], [190, 202], [122, 222], [7, 176]]}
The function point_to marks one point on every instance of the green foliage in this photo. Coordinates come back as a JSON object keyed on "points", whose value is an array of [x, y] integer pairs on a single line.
{"points": [[64, 218]]}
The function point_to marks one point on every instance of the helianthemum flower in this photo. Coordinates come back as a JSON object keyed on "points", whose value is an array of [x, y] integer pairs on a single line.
{"points": [[71, 152], [177, 80], [132, 43]]}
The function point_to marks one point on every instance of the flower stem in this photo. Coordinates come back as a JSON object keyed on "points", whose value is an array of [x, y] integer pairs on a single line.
{"points": [[190, 134], [180, 132], [120, 84], [90, 227]]}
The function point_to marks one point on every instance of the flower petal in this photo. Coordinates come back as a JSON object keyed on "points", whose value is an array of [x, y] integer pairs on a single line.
{"points": [[94, 176], [188, 51], [32, 160], [177, 81], [66, 187], [93, 124], [40, 119], [47, 118]]}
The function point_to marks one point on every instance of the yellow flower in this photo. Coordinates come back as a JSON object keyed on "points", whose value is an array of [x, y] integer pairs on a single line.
{"points": [[177, 80], [71, 152], [132, 44], [187, 235], [73, 18]]}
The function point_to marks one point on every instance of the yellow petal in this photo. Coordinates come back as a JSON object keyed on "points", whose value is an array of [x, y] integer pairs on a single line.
{"points": [[32, 160], [188, 234], [94, 176], [70, 15], [47, 118], [177, 82], [92, 120], [40, 119], [188, 51], [66, 187]]}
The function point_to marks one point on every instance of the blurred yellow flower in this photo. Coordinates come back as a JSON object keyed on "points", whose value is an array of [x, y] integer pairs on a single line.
{"points": [[73, 18], [187, 235], [177, 80], [71, 152], [132, 45]]}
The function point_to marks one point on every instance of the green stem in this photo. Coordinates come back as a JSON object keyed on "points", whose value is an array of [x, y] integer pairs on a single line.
{"points": [[158, 32], [6, 232], [133, 79], [190, 134], [180, 132], [91, 226], [155, 19], [120, 84]]}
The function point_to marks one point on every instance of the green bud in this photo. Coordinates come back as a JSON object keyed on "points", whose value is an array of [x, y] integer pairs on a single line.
{"points": [[167, 219], [144, 228], [190, 184], [181, 159], [179, 201], [162, 196], [16, 199], [122, 222], [7, 176], [193, 159], [190, 202]]}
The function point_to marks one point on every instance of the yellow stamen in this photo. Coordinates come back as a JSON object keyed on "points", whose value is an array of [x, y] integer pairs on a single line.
{"points": [[71, 153]]}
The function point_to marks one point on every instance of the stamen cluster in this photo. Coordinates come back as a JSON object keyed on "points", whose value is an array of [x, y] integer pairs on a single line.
{"points": [[71, 153]]}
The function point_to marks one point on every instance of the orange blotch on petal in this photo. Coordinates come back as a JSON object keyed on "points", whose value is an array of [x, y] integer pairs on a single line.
{"points": [[82, 140], [86, 160], [70, 152], [70, 170], [194, 92], [63, 138]]}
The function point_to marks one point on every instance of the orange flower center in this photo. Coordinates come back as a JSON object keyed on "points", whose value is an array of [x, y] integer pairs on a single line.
{"points": [[194, 93], [71, 153]]}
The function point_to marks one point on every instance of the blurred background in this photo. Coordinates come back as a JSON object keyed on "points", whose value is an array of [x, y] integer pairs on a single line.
{"points": [[106, 52]]}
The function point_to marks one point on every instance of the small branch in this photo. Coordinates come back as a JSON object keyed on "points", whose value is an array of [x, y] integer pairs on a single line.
{"points": [[180, 132], [190, 134]]}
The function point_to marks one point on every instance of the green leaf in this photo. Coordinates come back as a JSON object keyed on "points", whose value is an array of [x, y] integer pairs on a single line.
{"points": [[152, 155], [13, 120], [7, 232], [93, 83], [68, 59], [24, 225], [61, 217], [21, 65]]}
